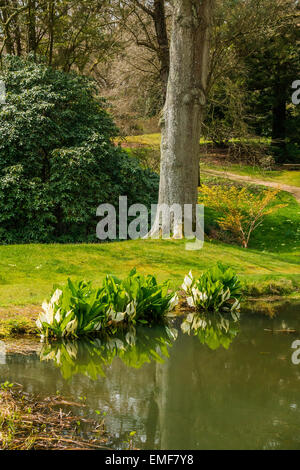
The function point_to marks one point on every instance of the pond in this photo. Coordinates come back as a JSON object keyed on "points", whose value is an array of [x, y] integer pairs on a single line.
{"points": [[179, 391]]}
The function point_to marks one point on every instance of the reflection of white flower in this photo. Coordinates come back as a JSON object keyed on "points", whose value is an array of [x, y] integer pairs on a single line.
{"points": [[58, 356], [130, 338], [235, 307], [186, 327], [173, 302], [72, 349], [130, 309], [188, 281]]}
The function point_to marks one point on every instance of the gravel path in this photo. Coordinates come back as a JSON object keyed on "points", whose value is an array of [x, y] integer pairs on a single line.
{"points": [[294, 190]]}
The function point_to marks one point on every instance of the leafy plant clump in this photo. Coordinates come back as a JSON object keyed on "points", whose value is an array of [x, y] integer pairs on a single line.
{"points": [[138, 299], [78, 309], [218, 289], [72, 311]]}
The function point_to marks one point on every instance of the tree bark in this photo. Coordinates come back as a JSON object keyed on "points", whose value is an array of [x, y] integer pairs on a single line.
{"points": [[51, 7], [7, 33], [159, 17], [31, 45], [184, 106]]}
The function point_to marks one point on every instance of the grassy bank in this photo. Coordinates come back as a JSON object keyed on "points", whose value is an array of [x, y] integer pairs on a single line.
{"points": [[28, 272]]}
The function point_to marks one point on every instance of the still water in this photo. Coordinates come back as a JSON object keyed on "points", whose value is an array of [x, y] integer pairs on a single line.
{"points": [[182, 391]]}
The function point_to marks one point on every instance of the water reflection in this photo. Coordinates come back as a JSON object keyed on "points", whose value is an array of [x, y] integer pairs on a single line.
{"points": [[91, 357], [214, 330], [243, 397]]}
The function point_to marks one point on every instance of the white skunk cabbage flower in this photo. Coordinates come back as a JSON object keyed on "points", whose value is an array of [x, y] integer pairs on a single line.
{"points": [[196, 294], [98, 326], [173, 302], [71, 327], [57, 316], [203, 296], [117, 316], [55, 297], [188, 281], [46, 316], [190, 301]]}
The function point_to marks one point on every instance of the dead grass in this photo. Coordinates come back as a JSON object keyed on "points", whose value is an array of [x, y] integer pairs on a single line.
{"points": [[30, 422]]}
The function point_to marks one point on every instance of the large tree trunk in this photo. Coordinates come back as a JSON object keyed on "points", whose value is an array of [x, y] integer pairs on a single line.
{"points": [[183, 110]]}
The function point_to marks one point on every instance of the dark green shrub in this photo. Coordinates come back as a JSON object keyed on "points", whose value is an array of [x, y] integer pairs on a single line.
{"points": [[58, 162]]}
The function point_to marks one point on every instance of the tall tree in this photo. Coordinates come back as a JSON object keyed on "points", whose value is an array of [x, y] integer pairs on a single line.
{"points": [[185, 101]]}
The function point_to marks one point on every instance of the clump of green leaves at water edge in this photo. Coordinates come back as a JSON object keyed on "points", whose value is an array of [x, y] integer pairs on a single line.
{"points": [[78, 309], [217, 289]]}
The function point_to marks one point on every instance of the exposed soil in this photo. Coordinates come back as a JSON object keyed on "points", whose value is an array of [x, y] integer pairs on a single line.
{"points": [[294, 190], [28, 311]]}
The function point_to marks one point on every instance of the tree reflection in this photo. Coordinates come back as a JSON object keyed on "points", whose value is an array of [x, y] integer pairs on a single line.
{"points": [[91, 357]]}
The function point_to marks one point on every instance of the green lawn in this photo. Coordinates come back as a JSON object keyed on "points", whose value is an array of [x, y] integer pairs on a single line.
{"points": [[28, 272], [154, 139], [281, 176]]}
